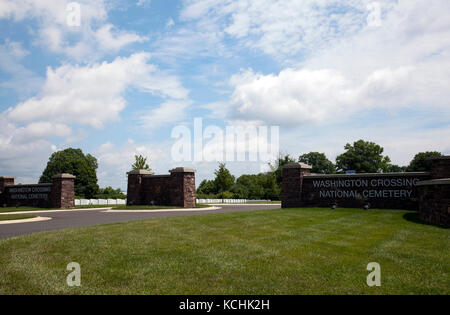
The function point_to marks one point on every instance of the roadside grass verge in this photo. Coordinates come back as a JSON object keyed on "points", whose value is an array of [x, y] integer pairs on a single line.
{"points": [[9, 217], [20, 209], [124, 207], [282, 251], [114, 207]]}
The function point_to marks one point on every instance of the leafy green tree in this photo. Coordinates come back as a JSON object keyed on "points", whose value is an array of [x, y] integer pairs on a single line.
{"points": [[319, 162], [140, 163], [363, 157], [224, 180], [421, 161], [110, 193], [396, 169], [74, 162], [271, 189], [240, 191], [278, 165], [206, 189]]}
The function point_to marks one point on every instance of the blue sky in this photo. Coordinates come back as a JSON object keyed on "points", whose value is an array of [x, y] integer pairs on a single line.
{"points": [[325, 72]]}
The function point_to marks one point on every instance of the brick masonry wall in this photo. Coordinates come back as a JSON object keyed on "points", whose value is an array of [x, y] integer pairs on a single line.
{"points": [[63, 192], [59, 194], [176, 189], [378, 193], [292, 186], [440, 167], [429, 193], [435, 204]]}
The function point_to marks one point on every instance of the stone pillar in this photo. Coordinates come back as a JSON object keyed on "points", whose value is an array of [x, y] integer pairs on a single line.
{"points": [[434, 201], [5, 181], [434, 194], [134, 190], [183, 193], [63, 191], [291, 191], [440, 167]]}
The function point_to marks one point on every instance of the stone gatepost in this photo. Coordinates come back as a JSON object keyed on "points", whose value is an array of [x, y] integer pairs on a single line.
{"points": [[291, 191], [184, 194], [63, 191], [134, 190], [5, 181], [440, 167], [434, 195]]}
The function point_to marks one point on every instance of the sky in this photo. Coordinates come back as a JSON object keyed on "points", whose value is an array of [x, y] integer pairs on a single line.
{"points": [[120, 78]]}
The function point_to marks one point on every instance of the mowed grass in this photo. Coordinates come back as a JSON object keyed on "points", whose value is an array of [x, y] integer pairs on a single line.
{"points": [[9, 217], [125, 207], [285, 251]]}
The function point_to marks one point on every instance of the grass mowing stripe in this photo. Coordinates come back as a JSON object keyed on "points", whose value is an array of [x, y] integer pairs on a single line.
{"points": [[288, 251]]}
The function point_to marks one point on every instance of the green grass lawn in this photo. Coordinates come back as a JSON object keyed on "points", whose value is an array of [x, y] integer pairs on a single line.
{"points": [[285, 251], [125, 207], [8, 217]]}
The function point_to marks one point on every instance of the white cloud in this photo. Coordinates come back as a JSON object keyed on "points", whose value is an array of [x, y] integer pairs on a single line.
{"points": [[21, 156], [282, 28], [92, 94], [114, 41], [168, 112], [405, 63], [115, 161], [93, 38]]}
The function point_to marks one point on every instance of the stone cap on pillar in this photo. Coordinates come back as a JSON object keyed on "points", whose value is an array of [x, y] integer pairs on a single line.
{"points": [[7, 177], [140, 172], [182, 170], [297, 165], [64, 176]]}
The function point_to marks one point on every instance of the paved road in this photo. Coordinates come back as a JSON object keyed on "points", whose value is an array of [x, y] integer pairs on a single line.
{"points": [[73, 219]]}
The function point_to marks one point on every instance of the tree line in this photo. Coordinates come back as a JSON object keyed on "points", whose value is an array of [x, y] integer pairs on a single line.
{"points": [[360, 157]]}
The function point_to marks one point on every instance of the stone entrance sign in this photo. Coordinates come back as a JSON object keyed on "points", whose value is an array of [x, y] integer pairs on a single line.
{"points": [[410, 191], [59, 194]]}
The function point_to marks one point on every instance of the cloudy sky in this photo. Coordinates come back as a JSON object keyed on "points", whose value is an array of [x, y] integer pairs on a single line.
{"points": [[326, 72]]}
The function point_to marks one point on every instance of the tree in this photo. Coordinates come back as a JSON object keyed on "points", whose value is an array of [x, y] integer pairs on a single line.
{"points": [[140, 163], [396, 169], [319, 162], [421, 161], [74, 162], [363, 157], [110, 193], [206, 189], [278, 165], [224, 180]]}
